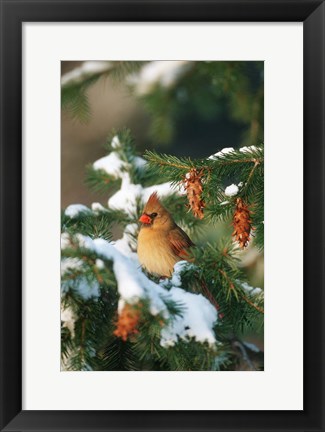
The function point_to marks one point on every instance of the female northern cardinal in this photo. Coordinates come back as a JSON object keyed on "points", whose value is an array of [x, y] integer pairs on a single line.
{"points": [[161, 243]]}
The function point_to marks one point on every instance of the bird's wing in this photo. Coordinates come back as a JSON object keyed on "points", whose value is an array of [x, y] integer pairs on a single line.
{"points": [[180, 242]]}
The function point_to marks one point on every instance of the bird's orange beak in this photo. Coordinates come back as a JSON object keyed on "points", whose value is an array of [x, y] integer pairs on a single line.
{"points": [[145, 219]]}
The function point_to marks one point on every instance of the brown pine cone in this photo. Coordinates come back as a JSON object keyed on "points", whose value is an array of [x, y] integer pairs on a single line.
{"points": [[242, 223]]}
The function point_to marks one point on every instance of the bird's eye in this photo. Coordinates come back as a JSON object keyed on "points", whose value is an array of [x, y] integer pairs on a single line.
{"points": [[153, 215]]}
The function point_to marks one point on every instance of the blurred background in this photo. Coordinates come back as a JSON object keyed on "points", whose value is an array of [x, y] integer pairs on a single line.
{"points": [[184, 108], [191, 109]]}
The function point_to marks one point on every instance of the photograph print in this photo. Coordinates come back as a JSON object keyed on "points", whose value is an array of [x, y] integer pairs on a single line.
{"points": [[162, 221]]}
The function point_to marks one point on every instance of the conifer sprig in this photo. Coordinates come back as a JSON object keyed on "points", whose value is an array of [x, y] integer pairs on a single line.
{"points": [[95, 333], [74, 89], [244, 166]]}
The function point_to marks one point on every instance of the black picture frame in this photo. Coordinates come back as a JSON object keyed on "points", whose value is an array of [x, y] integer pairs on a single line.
{"points": [[13, 14]]}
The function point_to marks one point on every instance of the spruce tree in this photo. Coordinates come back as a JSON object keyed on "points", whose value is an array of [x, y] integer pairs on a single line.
{"points": [[115, 316]]}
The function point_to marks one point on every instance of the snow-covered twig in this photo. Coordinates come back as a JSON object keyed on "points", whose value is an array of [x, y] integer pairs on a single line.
{"points": [[166, 73], [86, 70], [197, 317]]}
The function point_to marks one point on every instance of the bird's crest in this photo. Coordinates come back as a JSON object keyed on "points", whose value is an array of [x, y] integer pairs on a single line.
{"points": [[153, 203]]}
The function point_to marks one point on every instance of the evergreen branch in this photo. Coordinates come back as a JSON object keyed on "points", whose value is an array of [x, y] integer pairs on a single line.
{"points": [[209, 295], [232, 287], [122, 68], [170, 164], [257, 162], [99, 181], [84, 72], [245, 160], [168, 160], [76, 83], [90, 285], [259, 309]]}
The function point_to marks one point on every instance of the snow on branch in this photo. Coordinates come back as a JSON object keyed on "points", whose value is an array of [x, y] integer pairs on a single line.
{"points": [[231, 190], [86, 70], [74, 210], [129, 195], [158, 72], [197, 316], [222, 153], [229, 150]]}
